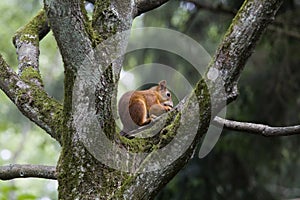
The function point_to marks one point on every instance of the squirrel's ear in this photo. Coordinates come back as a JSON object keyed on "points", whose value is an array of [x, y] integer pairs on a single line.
{"points": [[162, 84]]}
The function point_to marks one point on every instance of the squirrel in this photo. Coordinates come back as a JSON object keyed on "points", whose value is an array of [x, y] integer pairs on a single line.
{"points": [[138, 108]]}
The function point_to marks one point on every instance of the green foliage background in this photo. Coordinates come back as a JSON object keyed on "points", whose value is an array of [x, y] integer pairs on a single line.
{"points": [[241, 166]]}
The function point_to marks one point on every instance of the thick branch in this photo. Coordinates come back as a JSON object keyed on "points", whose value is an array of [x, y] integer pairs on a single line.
{"points": [[259, 129], [27, 171], [142, 6], [31, 99], [238, 44], [69, 23]]}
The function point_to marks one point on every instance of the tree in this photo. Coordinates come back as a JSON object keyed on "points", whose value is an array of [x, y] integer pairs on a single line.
{"points": [[86, 47]]}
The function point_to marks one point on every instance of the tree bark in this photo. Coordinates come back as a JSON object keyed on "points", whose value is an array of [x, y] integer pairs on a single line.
{"points": [[27, 171]]}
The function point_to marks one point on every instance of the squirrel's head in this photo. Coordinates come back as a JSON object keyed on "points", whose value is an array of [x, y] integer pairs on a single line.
{"points": [[166, 97]]}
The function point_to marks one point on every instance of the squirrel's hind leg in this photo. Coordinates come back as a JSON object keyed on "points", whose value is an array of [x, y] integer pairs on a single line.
{"points": [[138, 113]]}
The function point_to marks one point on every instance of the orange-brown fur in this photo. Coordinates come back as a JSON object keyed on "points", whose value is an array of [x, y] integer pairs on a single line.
{"points": [[138, 108]]}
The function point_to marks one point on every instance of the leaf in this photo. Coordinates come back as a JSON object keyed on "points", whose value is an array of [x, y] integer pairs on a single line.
{"points": [[26, 197]]}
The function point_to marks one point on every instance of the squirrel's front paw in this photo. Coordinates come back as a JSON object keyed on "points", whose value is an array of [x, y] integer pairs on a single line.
{"points": [[168, 108]]}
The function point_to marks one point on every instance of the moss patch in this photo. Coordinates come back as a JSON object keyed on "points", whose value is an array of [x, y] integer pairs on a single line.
{"points": [[30, 32]]}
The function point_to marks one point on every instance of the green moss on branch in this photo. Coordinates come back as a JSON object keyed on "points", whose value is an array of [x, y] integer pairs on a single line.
{"points": [[43, 108], [34, 31]]}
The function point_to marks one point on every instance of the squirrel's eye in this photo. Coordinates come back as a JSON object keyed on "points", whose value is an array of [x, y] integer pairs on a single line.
{"points": [[168, 94]]}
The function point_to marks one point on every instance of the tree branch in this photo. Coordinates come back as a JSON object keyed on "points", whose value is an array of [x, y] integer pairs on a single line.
{"points": [[237, 46], [26, 41], [31, 99], [142, 6], [27, 171], [75, 38], [26, 89], [259, 129]]}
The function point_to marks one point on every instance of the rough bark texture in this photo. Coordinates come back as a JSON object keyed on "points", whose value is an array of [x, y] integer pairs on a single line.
{"points": [[80, 175], [91, 78]]}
